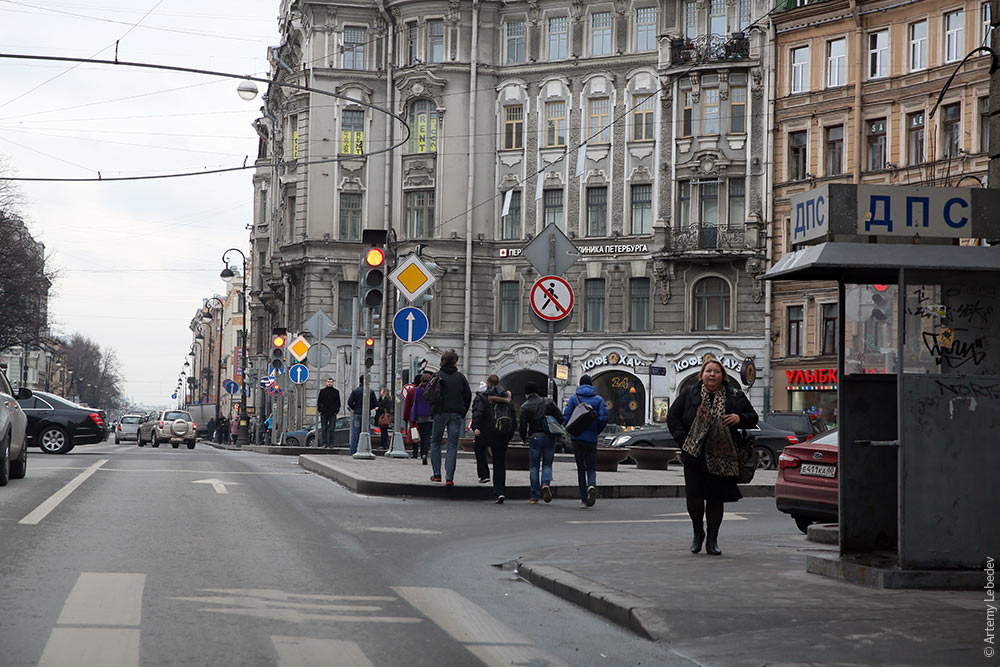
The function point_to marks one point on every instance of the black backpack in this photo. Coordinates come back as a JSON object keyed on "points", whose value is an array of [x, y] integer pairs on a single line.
{"points": [[433, 391], [582, 417], [501, 422]]}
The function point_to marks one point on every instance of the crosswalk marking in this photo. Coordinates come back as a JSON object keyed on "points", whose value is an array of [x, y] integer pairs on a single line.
{"points": [[50, 503], [292, 608], [312, 652], [108, 647]]}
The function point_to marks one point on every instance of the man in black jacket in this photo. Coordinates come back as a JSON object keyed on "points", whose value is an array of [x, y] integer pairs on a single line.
{"points": [[449, 411], [541, 446], [491, 402], [355, 402], [328, 405]]}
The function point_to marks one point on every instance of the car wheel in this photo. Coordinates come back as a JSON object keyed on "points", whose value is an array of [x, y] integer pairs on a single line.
{"points": [[310, 440], [802, 523], [766, 460], [5, 461], [19, 468], [191, 444], [54, 440], [292, 441], [153, 440]]}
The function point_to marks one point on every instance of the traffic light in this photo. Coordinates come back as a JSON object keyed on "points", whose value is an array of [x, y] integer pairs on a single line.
{"points": [[880, 304], [278, 339], [372, 276], [369, 352]]}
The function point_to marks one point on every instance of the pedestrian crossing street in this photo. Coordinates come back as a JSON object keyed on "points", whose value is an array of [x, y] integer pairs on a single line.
{"points": [[101, 623]]}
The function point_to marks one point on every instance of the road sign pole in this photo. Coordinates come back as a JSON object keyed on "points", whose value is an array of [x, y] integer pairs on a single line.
{"points": [[397, 449], [552, 326], [364, 450]]}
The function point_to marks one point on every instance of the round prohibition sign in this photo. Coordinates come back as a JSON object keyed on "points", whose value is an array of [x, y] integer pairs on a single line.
{"points": [[551, 298]]}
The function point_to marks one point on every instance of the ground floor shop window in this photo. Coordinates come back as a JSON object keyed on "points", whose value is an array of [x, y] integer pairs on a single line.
{"points": [[823, 404], [625, 395]]}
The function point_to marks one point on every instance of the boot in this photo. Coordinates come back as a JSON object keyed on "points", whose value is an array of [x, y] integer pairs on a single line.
{"points": [[712, 543], [699, 537]]}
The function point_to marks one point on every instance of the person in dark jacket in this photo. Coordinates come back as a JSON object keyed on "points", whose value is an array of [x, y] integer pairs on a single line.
{"points": [[449, 411], [384, 407], [355, 402], [541, 446], [328, 406], [704, 421], [485, 428], [419, 415], [221, 430], [585, 444]]}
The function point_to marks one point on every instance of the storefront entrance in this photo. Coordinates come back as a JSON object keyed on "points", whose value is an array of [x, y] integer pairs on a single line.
{"points": [[625, 395], [514, 383]]}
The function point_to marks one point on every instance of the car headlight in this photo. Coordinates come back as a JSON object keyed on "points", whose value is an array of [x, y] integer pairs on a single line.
{"points": [[620, 440]]}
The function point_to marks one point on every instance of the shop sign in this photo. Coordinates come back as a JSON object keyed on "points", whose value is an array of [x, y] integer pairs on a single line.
{"points": [[613, 359], [695, 360], [812, 376], [602, 249]]}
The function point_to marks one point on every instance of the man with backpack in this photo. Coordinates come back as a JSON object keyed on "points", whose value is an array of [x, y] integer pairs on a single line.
{"points": [[586, 415], [493, 422], [449, 395], [536, 431]]}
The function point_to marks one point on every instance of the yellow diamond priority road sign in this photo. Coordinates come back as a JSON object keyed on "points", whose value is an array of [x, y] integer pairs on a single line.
{"points": [[299, 348], [412, 277]]}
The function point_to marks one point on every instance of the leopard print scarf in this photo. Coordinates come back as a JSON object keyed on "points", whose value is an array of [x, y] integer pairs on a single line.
{"points": [[709, 433]]}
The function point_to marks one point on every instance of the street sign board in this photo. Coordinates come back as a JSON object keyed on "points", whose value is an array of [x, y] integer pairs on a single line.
{"points": [[319, 355], [319, 325], [298, 373], [410, 325], [412, 277], [230, 386], [405, 391], [551, 298], [299, 348], [551, 251], [275, 389], [266, 382]]}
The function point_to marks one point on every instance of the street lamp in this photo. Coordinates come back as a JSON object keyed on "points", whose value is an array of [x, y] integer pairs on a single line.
{"points": [[242, 436], [207, 317]]}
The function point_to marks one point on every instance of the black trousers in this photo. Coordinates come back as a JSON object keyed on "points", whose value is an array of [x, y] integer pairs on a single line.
{"points": [[482, 466], [425, 428], [498, 450]]}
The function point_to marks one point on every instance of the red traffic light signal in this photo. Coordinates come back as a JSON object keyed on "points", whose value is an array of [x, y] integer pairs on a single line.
{"points": [[374, 257], [369, 342], [278, 341]]}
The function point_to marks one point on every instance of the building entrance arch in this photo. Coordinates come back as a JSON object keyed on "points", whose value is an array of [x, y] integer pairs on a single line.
{"points": [[625, 395], [514, 383]]}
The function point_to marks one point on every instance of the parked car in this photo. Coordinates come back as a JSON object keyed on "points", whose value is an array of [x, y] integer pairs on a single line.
{"points": [[58, 425], [13, 432], [803, 424], [807, 480], [769, 441], [341, 434], [173, 426], [128, 428]]}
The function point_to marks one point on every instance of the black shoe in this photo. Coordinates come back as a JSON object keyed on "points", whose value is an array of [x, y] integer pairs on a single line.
{"points": [[500, 499], [699, 537], [484, 480], [425, 460], [712, 545]]}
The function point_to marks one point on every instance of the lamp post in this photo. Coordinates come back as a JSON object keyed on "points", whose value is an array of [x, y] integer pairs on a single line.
{"points": [[242, 438], [200, 338], [207, 318]]}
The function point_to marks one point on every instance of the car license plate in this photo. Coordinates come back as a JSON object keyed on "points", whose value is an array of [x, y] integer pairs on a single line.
{"points": [[813, 470]]}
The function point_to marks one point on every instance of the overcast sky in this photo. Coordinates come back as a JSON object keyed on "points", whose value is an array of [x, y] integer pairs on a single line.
{"points": [[133, 259]]}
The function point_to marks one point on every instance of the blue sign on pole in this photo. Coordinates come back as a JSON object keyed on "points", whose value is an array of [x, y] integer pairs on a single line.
{"points": [[230, 386], [410, 325], [298, 373]]}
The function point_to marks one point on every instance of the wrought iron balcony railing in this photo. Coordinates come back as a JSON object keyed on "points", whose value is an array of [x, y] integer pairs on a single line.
{"points": [[709, 48], [703, 236]]}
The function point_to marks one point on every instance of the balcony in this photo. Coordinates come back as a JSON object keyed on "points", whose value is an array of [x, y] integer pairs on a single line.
{"points": [[782, 5], [706, 237], [709, 48]]}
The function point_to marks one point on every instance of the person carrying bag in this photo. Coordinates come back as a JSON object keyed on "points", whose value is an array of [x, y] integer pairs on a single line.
{"points": [[586, 415], [534, 430]]}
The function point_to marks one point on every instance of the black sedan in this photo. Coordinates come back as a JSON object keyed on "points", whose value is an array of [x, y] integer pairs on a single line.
{"points": [[57, 425], [770, 441]]}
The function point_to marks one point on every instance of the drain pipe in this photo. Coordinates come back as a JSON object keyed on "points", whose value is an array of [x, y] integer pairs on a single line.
{"points": [[473, 77], [769, 90]]}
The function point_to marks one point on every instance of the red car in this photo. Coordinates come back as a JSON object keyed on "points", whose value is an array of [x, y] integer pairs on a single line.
{"points": [[807, 480]]}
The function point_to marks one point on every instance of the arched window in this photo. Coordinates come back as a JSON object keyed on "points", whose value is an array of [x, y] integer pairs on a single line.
{"points": [[711, 305], [423, 127]]}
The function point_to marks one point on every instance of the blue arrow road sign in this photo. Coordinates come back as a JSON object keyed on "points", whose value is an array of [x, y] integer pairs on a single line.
{"points": [[410, 325], [231, 386], [298, 373], [266, 382]]}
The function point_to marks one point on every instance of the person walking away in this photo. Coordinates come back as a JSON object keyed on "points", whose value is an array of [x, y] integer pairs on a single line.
{"points": [[234, 429], [210, 427], [221, 429], [493, 422], [268, 424], [541, 446], [407, 424], [705, 418], [585, 443], [355, 402], [383, 415], [328, 406], [448, 411], [420, 415]]}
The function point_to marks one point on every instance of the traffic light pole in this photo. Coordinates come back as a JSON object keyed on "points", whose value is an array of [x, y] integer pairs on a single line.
{"points": [[364, 450]]}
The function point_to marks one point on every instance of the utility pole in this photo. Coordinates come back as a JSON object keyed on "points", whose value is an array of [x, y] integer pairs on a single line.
{"points": [[993, 174]]}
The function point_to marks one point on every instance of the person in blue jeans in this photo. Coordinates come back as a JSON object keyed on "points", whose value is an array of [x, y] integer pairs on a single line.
{"points": [[585, 444], [541, 446], [449, 412], [355, 402]]}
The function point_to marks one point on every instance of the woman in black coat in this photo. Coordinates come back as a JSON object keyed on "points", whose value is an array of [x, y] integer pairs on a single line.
{"points": [[704, 421]]}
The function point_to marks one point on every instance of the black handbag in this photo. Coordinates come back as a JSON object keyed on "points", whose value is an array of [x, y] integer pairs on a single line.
{"points": [[746, 456]]}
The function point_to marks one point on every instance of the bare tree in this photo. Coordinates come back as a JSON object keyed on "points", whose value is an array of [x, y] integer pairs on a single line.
{"points": [[96, 376]]}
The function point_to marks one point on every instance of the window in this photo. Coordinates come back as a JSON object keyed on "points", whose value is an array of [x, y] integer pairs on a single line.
{"points": [[711, 305], [347, 291], [738, 109], [717, 18], [744, 15], [836, 63], [419, 214], [515, 42], [600, 34], [951, 138], [352, 132], [435, 41], [800, 69], [350, 216], [510, 224], [597, 211], [293, 136], [643, 117], [985, 29], [411, 43], [509, 305], [423, 127], [709, 202], [555, 123], [594, 304], [638, 293], [355, 39], [828, 344], [691, 19], [552, 208], [710, 111], [558, 37], [797, 166], [876, 144], [918, 46], [642, 209], [915, 138], [954, 36], [687, 114], [645, 28], [984, 124], [737, 201], [513, 127], [878, 54], [600, 129], [794, 331], [684, 203], [834, 150]]}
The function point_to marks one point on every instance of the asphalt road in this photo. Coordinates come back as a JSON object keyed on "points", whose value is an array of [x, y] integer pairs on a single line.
{"points": [[114, 555]]}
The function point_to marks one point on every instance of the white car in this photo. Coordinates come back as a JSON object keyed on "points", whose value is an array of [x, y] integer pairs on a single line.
{"points": [[128, 428], [13, 428]]}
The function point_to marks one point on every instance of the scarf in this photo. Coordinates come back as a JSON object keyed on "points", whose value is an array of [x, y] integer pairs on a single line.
{"points": [[708, 433]]}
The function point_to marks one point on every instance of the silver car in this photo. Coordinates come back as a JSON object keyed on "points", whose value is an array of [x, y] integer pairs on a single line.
{"points": [[128, 428], [13, 428], [173, 426]]}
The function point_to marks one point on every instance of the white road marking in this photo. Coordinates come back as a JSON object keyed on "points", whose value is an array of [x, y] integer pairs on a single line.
{"points": [[108, 647], [312, 652], [279, 606], [408, 531], [53, 501], [217, 484], [484, 636]]}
